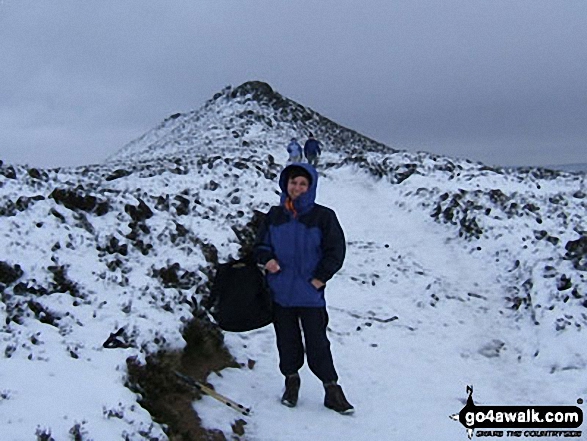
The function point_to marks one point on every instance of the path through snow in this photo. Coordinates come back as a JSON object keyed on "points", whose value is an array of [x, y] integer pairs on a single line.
{"points": [[414, 318]]}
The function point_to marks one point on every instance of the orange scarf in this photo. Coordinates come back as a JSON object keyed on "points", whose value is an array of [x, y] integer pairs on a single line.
{"points": [[289, 206]]}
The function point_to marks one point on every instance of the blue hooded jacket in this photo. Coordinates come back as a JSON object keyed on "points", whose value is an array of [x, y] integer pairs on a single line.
{"points": [[294, 149], [308, 246]]}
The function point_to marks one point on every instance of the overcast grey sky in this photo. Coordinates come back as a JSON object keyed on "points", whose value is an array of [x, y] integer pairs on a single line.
{"points": [[499, 81]]}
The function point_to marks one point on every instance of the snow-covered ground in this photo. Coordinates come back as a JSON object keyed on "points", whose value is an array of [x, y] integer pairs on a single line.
{"points": [[456, 274], [406, 375]]}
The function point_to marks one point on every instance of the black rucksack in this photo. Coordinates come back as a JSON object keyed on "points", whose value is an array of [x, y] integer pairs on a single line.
{"points": [[241, 300]]}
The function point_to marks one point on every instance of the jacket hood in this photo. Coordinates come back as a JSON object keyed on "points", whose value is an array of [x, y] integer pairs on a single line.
{"points": [[305, 201]]}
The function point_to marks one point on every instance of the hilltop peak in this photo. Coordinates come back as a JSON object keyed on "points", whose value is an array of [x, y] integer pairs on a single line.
{"points": [[252, 117], [258, 89]]}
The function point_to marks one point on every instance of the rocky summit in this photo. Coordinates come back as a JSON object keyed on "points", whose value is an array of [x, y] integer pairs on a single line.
{"points": [[251, 118], [105, 269]]}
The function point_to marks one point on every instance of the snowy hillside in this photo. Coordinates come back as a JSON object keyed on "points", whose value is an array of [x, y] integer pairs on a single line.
{"points": [[250, 118], [456, 274], [574, 168]]}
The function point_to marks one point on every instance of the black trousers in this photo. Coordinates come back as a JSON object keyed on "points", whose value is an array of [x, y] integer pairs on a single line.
{"points": [[288, 324]]}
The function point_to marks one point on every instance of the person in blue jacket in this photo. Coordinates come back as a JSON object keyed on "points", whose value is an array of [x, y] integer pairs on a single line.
{"points": [[294, 149], [301, 245], [312, 149]]}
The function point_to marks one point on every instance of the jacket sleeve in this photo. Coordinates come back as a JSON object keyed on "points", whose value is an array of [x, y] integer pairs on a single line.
{"points": [[333, 248], [263, 249]]}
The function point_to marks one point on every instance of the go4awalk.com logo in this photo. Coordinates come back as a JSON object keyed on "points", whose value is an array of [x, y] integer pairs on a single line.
{"points": [[520, 421]]}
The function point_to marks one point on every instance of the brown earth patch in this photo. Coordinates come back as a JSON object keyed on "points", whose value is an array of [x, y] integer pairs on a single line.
{"points": [[167, 398]]}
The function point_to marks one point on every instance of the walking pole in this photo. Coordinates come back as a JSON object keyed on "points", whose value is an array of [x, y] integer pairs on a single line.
{"points": [[212, 393]]}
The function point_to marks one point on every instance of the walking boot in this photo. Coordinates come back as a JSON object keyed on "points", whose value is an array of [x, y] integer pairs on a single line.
{"points": [[292, 388], [335, 399]]}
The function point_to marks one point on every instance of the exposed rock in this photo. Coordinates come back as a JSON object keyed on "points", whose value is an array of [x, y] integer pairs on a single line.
{"points": [[577, 252], [174, 276], [140, 212], [492, 349], [9, 273], [117, 174], [182, 205], [564, 283], [77, 200], [8, 172], [62, 283], [35, 173]]}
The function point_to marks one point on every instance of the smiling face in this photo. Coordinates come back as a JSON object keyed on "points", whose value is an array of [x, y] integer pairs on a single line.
{"points": [[297, 186]]}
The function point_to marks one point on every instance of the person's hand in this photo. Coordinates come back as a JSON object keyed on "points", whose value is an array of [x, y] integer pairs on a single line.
{"points": [[318, 284], [272, 266]]}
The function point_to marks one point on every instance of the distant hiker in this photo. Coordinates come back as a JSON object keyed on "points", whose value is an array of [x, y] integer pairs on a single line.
{"points": [[312, 149], [302, 245], [295, 151]]}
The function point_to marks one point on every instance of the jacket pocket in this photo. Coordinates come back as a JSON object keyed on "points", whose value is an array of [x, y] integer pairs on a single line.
{"points": [[311, 295]]}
